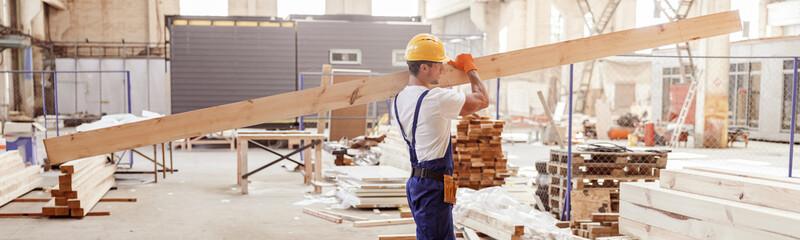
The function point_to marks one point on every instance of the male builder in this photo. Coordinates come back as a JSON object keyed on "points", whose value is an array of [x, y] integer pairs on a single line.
{"points": [[423, 114]]}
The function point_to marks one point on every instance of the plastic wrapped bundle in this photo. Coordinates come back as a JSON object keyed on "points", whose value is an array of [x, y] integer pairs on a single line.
{"points": [[507, 215]]}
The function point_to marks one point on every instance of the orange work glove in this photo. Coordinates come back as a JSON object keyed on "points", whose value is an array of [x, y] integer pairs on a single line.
{"points": [[464, 62]]}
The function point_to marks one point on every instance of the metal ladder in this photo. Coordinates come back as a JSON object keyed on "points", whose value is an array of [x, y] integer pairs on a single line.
{"points": [[595, 27], [675, 14]]}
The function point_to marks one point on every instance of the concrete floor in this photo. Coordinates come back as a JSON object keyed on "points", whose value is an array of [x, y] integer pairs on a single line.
{"points": [[201, 201]]}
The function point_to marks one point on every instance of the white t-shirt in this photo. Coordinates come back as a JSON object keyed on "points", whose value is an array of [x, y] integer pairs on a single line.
{"points": [[433, 124]]}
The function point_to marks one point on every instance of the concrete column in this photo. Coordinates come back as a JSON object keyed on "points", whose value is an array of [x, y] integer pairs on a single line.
{"points": [[538, 22], [348, 7], [32, 21], [711, 123]]}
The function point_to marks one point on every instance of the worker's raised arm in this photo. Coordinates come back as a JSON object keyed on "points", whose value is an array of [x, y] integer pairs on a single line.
{"points": [[479, 98]]}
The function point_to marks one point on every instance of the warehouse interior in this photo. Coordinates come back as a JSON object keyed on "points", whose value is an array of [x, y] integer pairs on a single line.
{"points": [[275, 119]]}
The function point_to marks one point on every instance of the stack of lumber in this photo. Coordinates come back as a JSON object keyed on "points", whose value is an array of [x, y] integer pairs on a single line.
{"points": [[478, 153], [601, 225], [596, 178], [371, 186], [394, 149], [16, 179], [492, 224], [81, 185], [706, 203]]}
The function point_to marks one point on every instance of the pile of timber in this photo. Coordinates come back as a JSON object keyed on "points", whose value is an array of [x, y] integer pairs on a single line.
{"points": [[707, 203], [600, 226], [394, 149], [81, 185], [371, 186], [478, 153], [492, 224], [596, 178], [16, 179]]}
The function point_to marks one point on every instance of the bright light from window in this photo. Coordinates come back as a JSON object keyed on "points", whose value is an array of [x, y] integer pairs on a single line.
{"points": [[204, 7], [395, 8], [311, 7]]}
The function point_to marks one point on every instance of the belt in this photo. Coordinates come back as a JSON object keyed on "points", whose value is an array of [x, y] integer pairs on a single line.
{"points": [[426, 173]]}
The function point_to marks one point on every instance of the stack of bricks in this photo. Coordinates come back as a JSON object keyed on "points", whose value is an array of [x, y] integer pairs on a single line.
{"points": [[478, 153]]}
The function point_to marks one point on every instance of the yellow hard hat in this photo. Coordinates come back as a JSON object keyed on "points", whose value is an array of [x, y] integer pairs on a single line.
{"points": [[426, 47]]}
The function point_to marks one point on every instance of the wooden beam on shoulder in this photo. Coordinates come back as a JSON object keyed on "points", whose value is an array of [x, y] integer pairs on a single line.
{"points": [[352, 93]]}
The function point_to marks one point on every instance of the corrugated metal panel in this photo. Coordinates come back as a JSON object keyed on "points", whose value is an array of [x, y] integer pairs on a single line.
{"points": [[215, 65], [376, 40]]}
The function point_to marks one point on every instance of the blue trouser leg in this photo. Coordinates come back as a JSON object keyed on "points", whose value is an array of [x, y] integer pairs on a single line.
{"points": [[433, 216]]}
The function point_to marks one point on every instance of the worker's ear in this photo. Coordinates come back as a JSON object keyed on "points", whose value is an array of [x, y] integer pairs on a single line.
{"points": [[424, 67]]}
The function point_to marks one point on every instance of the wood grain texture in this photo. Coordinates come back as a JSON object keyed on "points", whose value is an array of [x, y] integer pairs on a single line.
{"points": [[691, 227], [366, 90], [647, 232], [383, 222], [760, 192], [719, 211]]}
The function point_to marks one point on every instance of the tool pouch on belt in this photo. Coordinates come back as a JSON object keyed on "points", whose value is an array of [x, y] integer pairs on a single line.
{"points": [[449, 189]]}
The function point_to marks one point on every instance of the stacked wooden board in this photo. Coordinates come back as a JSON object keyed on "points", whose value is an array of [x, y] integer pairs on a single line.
{"points": [[371, 186], [492, 224], [478, 154], [703, 203], [596, 178], [394, 149], [81, 185], [16, 179], [601, 225]]}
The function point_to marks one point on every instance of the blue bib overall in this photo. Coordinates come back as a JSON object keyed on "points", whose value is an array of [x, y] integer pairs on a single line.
{"points": [[433, 216]]}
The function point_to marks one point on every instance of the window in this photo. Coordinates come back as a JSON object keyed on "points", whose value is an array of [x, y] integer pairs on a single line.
{"points": [[744, 91], [398, 58], [788, 78], [345, 56]]}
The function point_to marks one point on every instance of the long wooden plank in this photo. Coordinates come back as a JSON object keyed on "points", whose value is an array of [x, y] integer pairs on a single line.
{"points": [[344, 216], [719, 211], [398, 237], [692, 227], [26, 180], [10, 162], [322, 215], [643, 231], [91, 200], [746, 174], [383, 222], [488, 230], [96, 179], [765, 193], [495, 222], [93, 177], [81, 164], [79, 178], [336, 96]]}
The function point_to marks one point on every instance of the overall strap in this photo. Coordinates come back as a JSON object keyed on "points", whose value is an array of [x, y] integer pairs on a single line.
{"points": [[416, 115], [397, 118]]}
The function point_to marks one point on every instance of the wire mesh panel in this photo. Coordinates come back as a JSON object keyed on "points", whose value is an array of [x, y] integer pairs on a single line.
{"points": [[91, 94]]}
